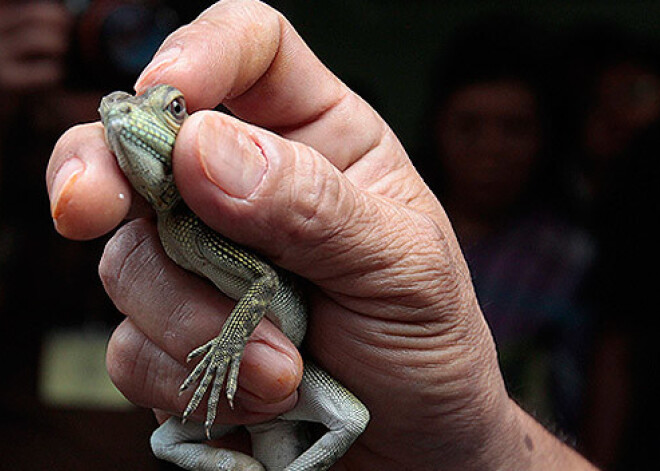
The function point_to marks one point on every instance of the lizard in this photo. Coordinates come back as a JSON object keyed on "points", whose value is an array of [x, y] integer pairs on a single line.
{"points": [[141, 131]]}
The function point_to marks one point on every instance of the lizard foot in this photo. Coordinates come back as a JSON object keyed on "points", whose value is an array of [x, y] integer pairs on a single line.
{"points": [[221, 358], [182, 445]]}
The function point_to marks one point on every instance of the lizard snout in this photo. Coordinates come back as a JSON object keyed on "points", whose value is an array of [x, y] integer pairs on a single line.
{"points": [[116, 102]]}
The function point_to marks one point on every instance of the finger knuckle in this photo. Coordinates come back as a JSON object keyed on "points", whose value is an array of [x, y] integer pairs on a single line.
{"points": [[123, 360]]}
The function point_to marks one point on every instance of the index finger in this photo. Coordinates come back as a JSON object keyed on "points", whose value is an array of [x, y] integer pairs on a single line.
{"points": [[246, 55]]}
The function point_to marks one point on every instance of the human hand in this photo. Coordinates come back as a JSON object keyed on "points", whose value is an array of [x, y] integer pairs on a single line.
{"points": [[331, 197], [34, 38]]}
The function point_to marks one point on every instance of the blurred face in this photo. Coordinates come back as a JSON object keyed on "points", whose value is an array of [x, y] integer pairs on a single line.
{"points": [[627, 101], [489, 137]]}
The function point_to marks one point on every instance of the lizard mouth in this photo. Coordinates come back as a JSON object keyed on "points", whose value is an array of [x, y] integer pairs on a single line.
{"points": [[114, 110], [114, 123], [113, 126]]}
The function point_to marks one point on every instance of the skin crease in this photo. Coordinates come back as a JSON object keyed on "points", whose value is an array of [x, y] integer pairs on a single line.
{"points": [[393, 313]]}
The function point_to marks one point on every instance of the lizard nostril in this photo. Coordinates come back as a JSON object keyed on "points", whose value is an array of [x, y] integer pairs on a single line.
{"points": [[125, 108]]}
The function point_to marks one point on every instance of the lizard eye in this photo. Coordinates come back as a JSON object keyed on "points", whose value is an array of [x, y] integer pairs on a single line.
{"points": [[177, 108]]}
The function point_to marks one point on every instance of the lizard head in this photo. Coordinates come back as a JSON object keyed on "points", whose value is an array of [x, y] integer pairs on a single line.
{"points": [[140, 131]]}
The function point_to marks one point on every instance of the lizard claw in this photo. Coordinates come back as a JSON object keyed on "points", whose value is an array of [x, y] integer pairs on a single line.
{"points": [[221, 359], [199, 351]]}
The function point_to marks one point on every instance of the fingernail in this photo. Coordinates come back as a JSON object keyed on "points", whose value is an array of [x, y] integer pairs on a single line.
{"points": [[160, 62], [273, 375], [230, 159], [67, 174]]}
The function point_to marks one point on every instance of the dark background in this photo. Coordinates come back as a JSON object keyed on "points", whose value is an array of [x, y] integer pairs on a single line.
{"points": [[389, 47]]}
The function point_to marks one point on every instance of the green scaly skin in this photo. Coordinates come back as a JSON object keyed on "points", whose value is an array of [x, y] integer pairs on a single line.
{"points": [[141, 131]]}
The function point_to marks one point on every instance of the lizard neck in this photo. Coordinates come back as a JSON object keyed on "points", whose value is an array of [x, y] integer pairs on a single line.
{"points": [[164, 197], [177, 210]]}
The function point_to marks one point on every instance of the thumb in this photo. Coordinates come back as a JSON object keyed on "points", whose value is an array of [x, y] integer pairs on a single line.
{"points": [[286, 201]]}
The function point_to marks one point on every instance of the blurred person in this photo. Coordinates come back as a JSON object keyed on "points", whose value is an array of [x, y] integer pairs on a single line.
{"points": [[34, 38], [623, 429], [611, 83], [54, 314], [491, 164]]}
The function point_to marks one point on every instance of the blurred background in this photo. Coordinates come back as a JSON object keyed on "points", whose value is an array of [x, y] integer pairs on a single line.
{"points": [[535, 123]]}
